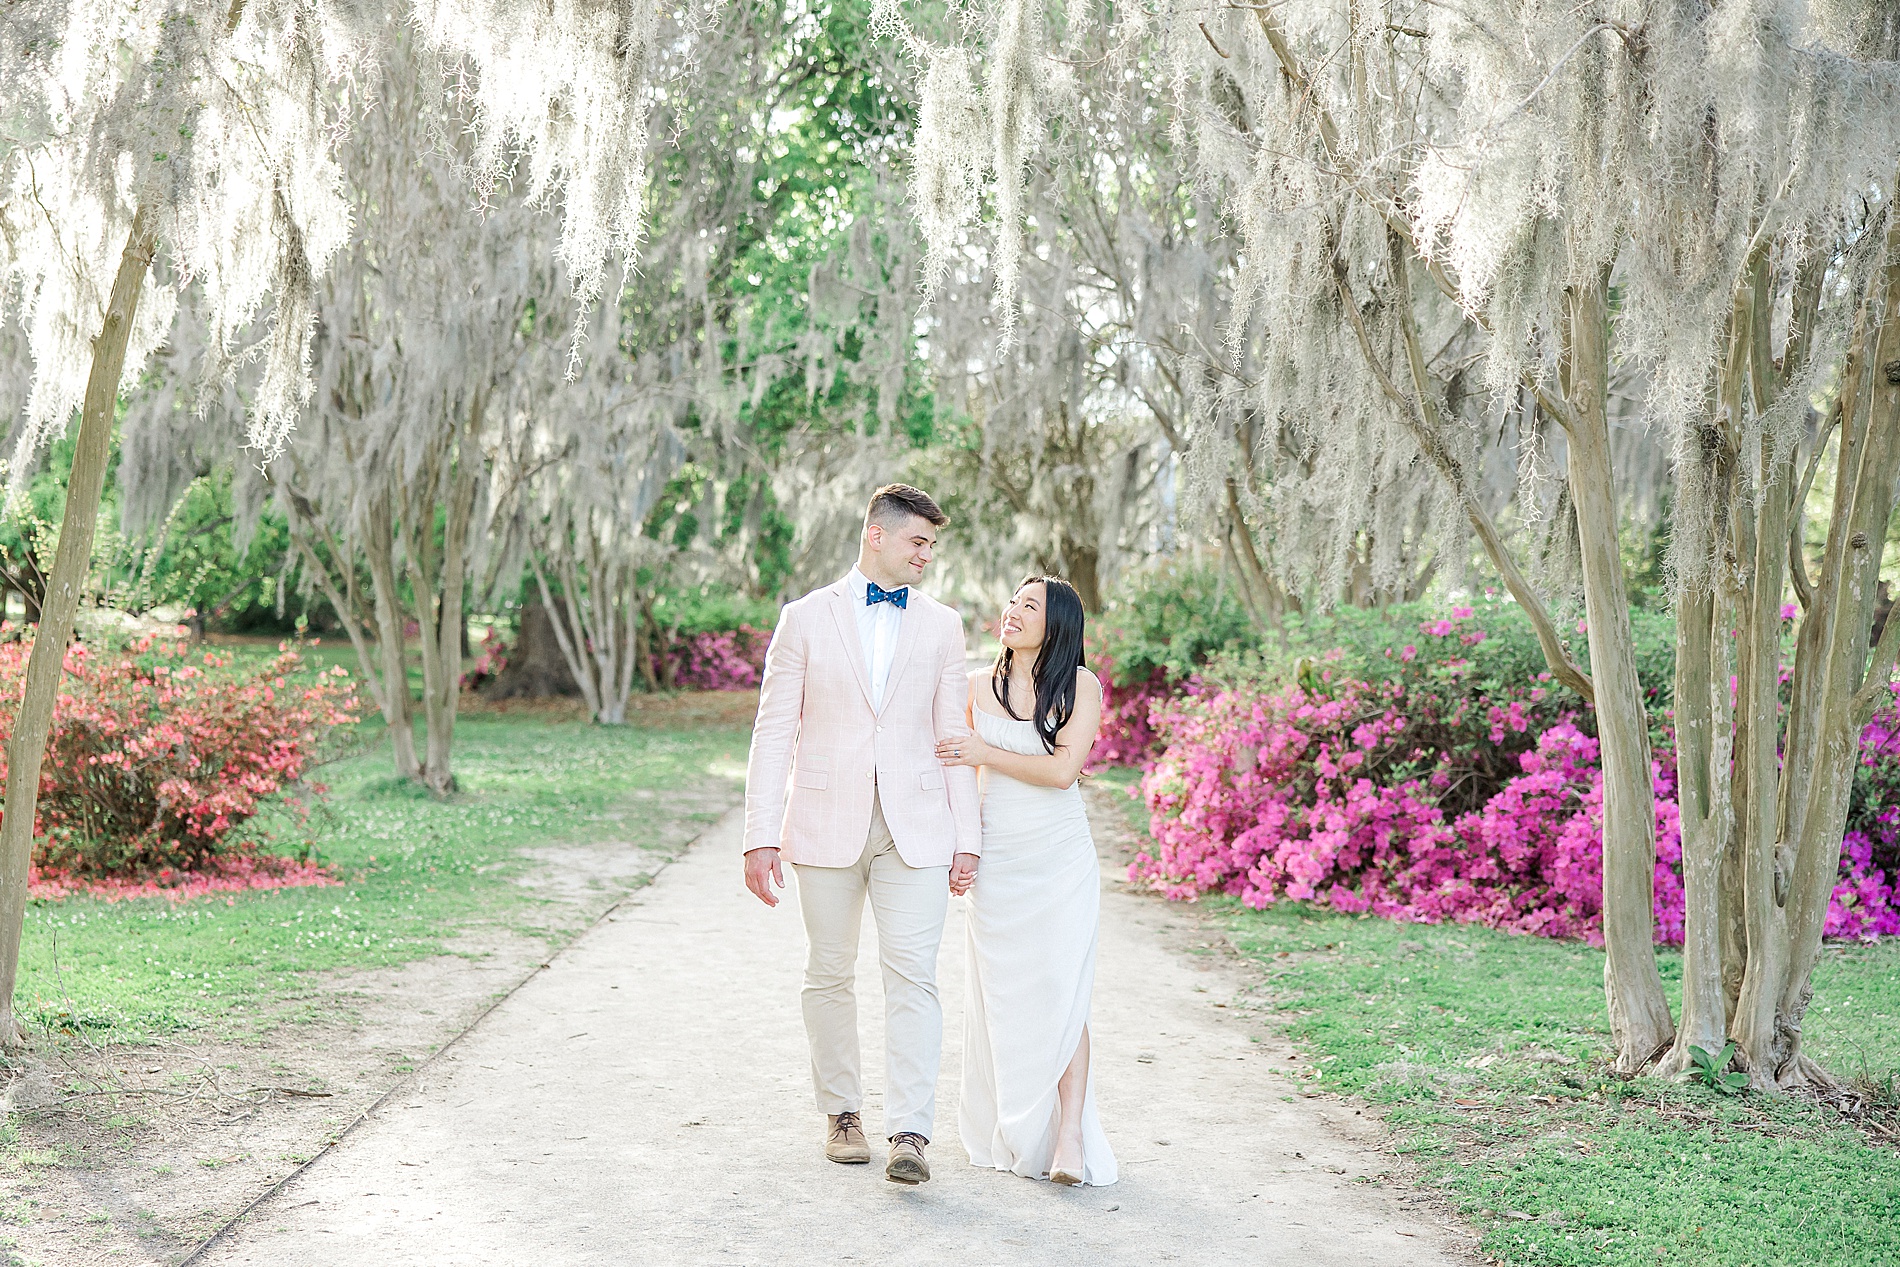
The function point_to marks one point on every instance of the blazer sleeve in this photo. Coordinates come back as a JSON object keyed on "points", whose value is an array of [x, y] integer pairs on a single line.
{"points": [[952, 722], [775, 733]]}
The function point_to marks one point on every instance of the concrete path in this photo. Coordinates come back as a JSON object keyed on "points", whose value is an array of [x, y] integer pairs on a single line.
{"points": [[646, 1101]]}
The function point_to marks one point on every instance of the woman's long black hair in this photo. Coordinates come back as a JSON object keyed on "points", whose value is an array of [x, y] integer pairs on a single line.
{"points": [[1056, 662]]}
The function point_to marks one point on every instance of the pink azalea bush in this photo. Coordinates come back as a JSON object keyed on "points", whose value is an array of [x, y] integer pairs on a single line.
{"points": [[159, 756], [719, 660], [1127, 735], [222, 874], [1428, 797], [1149, 646], [489, 661], [1865, 903]]}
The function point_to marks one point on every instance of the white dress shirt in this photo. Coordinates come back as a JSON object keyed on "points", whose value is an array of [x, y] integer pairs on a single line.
{"points": [[877, 633]]}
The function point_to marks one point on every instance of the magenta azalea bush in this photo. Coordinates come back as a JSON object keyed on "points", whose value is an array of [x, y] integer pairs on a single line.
{"points": [[1865, 902], [719, 660], [1433, 796], [1127, 735]]}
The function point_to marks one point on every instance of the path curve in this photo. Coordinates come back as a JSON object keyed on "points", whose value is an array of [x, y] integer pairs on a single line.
{"points": [[645, 1100]]}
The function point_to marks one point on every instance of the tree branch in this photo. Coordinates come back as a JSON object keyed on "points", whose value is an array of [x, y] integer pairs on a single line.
{"points": [[1419, 413]]}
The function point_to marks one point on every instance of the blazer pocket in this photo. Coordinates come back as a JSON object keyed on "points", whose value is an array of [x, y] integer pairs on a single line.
{"points": [[811, 778], [930, 779]]}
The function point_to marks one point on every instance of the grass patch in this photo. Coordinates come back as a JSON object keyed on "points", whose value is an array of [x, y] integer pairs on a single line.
{"points": [[1488, 1053], [418, 872]]}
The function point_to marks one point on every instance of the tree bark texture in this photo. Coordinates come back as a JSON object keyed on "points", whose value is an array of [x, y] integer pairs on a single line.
{"points": [[373, 624], [536, 668], [597, 621], [26, 746], [1791, 856], [1639, 1011], [438, 578]]}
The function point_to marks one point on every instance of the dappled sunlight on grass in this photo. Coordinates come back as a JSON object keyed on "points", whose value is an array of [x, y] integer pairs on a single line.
{"points": [[417, 873], [1489, 1052]]}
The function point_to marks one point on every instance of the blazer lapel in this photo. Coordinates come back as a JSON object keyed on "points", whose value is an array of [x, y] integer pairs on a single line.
{"points": [[845, 613], [900, 655]]}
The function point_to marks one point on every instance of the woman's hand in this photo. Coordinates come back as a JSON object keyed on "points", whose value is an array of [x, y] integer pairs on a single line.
{"points": [[969, 750]]}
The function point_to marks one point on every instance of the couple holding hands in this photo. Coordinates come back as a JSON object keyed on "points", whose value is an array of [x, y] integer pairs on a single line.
{"points": [[864, 776]]}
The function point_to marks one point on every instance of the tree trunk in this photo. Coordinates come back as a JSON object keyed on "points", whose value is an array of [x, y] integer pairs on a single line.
{"points": [[26, 746], [1705, 715], [1793, 864], [536, 669], [1639, 1011], [1704, 739], [438, 580], [398, 705], [1084, 572], [597, 623], [1267, 601]]}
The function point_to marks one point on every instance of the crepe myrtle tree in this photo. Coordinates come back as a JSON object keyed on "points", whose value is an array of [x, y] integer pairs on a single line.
{"points": [[436, 328], [205, 131], [1456, 217]]}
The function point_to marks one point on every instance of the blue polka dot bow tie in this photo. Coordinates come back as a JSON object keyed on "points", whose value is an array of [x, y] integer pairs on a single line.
{"points": [[896, 598]]}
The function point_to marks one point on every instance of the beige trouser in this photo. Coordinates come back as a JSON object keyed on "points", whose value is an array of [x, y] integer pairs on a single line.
{"points": [[909, 904]]}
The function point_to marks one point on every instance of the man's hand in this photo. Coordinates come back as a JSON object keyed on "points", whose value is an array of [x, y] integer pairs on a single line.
{"points": [[763, 873], [962, 873]]}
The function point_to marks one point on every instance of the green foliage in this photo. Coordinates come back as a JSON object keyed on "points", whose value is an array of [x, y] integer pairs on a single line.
{"points": [[191, 561], [1713, 1071], [1182, 617], [805, 199], [1370, 640], [712, 609], [195, 563], [1173, 616]]}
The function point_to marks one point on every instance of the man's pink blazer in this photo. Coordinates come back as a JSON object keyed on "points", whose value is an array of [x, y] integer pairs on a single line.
{"points": [[819, 748]]}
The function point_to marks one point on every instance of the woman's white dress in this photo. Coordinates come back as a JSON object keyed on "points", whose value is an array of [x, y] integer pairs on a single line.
{"points": [[1032, 924]]}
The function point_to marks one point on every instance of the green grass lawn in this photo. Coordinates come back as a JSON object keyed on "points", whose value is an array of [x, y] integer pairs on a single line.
{"points": [[416, 871], [1488, 1051]]}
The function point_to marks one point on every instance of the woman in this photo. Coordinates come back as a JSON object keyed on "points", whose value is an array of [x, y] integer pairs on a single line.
{"points": [[1028, 1097]]}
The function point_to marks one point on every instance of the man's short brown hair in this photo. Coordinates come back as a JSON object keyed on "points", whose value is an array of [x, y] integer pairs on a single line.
{"points": [[900, 501]]}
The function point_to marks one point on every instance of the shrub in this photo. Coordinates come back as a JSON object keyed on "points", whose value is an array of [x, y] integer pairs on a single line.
{"points": [[1365, 639], [1127, 735], [489, 661], [728, 660], [711, 609], [157, 756], [1436, 792], [1170, 619], [1164, 624], [1864, 902], [1159, 656]]}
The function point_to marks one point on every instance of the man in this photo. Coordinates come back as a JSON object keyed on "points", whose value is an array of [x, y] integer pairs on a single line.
{"points": [[862, 678]]}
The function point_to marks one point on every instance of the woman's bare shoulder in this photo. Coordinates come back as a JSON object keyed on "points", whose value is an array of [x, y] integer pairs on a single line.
{"points": [[1087, 681]]}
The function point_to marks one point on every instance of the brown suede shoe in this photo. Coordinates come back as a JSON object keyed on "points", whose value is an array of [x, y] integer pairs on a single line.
{"points": [[844, 1139], [907, 1164]]}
